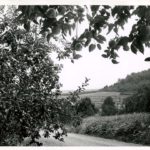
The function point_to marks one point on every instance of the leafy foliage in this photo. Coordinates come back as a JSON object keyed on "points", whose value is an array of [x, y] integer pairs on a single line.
{"points": [[85, 108], [29, 86], [69, 106], [140, 98], [28, 77], [108, 107], [132, 128], [55, 19]]}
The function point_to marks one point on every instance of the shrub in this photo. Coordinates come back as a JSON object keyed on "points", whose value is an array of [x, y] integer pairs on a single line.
{"points": [[133, 128], [108, 107], [138, 102], [85, 107]]}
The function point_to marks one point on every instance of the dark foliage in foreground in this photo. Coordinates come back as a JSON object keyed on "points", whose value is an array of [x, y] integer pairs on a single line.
{"points": [[29, 86], [56, 19]]}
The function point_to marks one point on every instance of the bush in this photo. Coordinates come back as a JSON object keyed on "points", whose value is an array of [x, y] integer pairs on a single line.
{"points": [[85, 107], [108, 107], [138, 102], [133, 128]]}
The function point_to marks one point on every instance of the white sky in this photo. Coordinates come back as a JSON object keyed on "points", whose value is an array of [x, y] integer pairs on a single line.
{"points": [[101, 71]]}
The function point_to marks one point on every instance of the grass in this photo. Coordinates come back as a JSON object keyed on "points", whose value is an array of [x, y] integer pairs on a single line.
{"points": [[97, 97], [133, 128]]}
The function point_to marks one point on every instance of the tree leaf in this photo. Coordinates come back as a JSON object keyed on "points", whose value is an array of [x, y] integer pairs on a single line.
{"points": [[104, 55], [92, 47], [76, 56], [110, 27], [89, 18], [94, 8], [116, 30], [72, 61], [115, 55], [99, 46], [140, 47], [114, 61], [100, 39], [126, 47], [123, 40], [133, 48], [147, 59]]}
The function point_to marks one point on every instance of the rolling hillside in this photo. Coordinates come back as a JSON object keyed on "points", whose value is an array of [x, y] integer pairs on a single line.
{"points": [[120, 90], [97, 97], [131, 83]]}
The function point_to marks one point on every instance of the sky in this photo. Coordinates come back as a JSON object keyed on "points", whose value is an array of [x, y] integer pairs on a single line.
{"points": [[100, 70]]}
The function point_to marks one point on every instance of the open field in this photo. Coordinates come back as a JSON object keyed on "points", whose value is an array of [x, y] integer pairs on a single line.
{"points": [[97, 97]]}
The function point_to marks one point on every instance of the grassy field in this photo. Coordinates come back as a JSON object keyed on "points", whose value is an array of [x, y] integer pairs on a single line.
{"points": [[133, 128], [97, 97]]}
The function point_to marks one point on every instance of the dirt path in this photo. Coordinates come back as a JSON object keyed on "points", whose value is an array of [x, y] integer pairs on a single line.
{"points": [[83, 140]]}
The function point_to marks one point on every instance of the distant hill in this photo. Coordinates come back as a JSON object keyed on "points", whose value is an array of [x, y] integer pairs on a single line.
{"points": [[131, 83], [66, 93], [118, 91], [98, 97]]}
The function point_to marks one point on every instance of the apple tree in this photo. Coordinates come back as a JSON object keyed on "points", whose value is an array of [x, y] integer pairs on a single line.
{"points": [[29, 85]]}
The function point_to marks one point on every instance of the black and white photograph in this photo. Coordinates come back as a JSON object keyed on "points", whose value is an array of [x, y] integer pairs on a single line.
{"points": [[74, 75]]}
